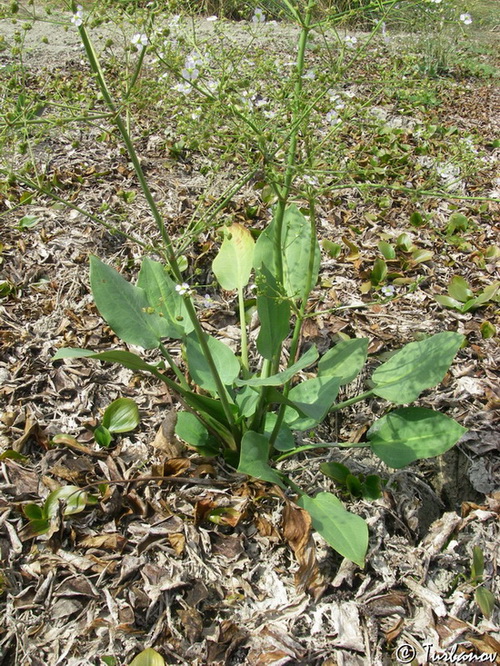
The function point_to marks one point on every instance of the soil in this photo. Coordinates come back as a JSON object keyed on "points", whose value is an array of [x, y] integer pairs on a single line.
{"points": [[205, 565]]}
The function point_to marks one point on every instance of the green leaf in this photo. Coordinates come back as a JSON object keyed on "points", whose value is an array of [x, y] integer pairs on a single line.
{"points": [[416, 219], [74, 499], [164, 299], [353, 485], [404, 242], [314, 397], [412, 433], [33, 512], [344, 531], [485, 600], [122, 415], [285, 441], [296, 242], [226, 363], [39, 526], [489, 293], [247, 400], [233, 264], [477, 568], [345, 360], [125, 307], [418, 366], [282, 377], [459, 289], [379, 272], [488, 330], [387, 251], [125, 358], [254, 458], [333, 249], [274, 314], [28, 222], [148, 657], [372, 487], [419, 256], [102, 436], [457, 222], [448, 302], [194, 433], [335, 471]]}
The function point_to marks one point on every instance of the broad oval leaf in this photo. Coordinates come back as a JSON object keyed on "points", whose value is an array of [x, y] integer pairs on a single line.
{"points": [[412, 433], [459, 289], [345, 360], [344, 531], [122, 415], [102, 436], [274, 314], [233, 264], [296, 245], [193, 432], [125, 307], [285, 441], [314, 397], [254, 455], [418, 366], [164, 299], [225, 361], [148, 657], [448, 302], [485, 599], [73, 497]]}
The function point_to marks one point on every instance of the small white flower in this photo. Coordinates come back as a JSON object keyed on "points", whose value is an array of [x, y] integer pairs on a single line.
{"points": [[183, 289], [212, 18], [436, 2], [212, 85], [77, 18], [333, 118], [190, 73], [350, 41], [388, 290], [258, 16], [466, 18], [183, 87], [140, 39]]}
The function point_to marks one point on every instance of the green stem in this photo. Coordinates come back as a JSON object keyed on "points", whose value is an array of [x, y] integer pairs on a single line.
{"points": [[292, 149], [351, 401], [174, 367], [243, 329]]}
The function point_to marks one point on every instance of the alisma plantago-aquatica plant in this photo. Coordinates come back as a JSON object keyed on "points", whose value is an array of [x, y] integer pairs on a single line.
{"points": [[249, 406]]}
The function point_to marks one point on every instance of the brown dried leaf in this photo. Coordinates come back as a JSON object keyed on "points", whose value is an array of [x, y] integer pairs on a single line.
{"points": [[166, 439], [112, 541], [297, 531]]}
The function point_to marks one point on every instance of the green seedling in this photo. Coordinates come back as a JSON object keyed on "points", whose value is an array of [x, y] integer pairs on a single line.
{"points": [[358, 485], [148, 657], [484, 598], [461, 297], [122, 415], [66, 501]]}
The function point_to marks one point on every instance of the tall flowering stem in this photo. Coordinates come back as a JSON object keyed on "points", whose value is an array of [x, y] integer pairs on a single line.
{"points": [[170, 252]]}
